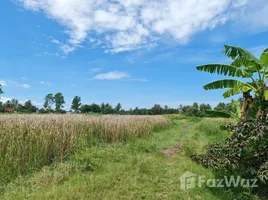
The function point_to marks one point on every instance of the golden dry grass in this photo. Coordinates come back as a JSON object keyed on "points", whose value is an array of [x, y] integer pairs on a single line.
{"points": [[28, 142]]}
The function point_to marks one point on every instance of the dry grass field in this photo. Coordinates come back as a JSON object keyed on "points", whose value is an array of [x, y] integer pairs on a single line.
{"points": [[28, 142]]}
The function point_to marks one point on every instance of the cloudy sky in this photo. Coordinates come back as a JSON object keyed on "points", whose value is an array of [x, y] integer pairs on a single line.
{"points": [[137, 52]]}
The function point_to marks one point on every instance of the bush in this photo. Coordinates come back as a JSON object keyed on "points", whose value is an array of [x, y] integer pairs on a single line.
{"points": [[245, 152]]}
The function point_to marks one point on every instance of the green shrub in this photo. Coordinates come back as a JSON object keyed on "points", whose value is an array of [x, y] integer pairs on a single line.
{"points": [[244, 153]]}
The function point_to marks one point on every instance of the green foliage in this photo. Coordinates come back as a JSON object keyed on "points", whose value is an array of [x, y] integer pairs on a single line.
{"points": [[236, 86], [76, 103], [49, 102], [244, 65], [59, 102], [195, 110], [223, 69], [13, 105], [264, 57], [223, 110], [244, 152], [108, 109], [217, 113], [118, 108], [127, 170], [259, 104]]}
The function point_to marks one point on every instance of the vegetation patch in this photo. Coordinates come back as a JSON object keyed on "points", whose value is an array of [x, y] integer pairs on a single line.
{"points": [[28, 142]]}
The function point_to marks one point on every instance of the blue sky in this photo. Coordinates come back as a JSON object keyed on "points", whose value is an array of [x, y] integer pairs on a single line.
{"points": [[137, 52]]}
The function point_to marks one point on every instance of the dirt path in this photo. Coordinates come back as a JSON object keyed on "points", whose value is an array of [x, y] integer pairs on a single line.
{"points": [[171, 151]]}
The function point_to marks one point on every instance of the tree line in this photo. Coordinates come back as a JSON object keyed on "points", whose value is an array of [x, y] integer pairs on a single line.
{"points": [[55, 104]]}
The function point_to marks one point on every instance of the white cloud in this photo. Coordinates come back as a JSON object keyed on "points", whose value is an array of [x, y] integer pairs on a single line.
{"points": [[51, 54], [14, 83], [3, 83], [23, 85], [115, 75], [46, 83], [5, 99], [254, 15], [126, 25], [94, 70], [55, 41]]}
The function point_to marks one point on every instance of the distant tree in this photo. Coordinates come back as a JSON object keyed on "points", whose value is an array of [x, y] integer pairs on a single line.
{"points": [[108, 109], [221, 106], [204, 107], [191, 110], [157, 109], [42, 111], [136, 111], [59, 102], [85, 109], [14, 104], [2, 108], [30, 107], [102, 108], [76, 103], [117, 108], [195, 105], [49, 101], [166, 109], [194, 110], [180, 107], [95, 108], [7, 104]]}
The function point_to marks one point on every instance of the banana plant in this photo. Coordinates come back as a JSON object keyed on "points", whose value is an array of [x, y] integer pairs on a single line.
{"points": [[234, 113], [249, 74]]}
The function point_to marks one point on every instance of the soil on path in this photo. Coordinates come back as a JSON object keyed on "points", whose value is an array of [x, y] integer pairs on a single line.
{"points": [[171, 151]]}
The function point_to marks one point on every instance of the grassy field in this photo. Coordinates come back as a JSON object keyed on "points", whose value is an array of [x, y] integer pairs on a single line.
{"points": [[29, 142], [127, 167]]}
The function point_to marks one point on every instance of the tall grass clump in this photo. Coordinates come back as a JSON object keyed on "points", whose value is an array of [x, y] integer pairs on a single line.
{"points": [[28, 142], [204, 132]]}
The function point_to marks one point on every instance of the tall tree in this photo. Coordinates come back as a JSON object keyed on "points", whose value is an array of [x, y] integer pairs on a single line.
{"points": [[14, 104], [76, 103], [117, 108], [108, 109], [8, 104], [102, 108], [30, 107], [59, 101], [49, 101]]}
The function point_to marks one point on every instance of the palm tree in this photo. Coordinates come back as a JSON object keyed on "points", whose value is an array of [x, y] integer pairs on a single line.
{"points": [[244, 66]]}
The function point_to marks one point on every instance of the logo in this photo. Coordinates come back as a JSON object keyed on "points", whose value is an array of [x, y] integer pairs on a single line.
{"points": [[190, 180]]}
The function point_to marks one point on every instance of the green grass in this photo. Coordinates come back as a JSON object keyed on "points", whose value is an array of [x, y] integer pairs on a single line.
{"points": [[127, 170]]}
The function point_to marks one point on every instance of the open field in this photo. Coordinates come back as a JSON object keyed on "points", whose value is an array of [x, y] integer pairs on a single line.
{"points": [[28, 142], [127, 168]]}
